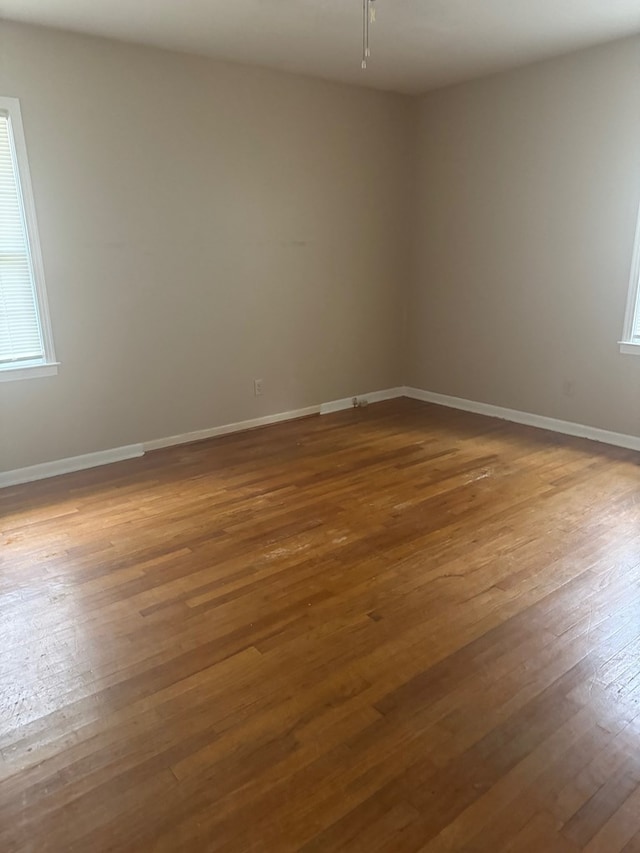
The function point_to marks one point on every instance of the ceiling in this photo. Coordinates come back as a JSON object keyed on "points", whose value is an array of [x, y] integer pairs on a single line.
{"points": [[417, 45]]}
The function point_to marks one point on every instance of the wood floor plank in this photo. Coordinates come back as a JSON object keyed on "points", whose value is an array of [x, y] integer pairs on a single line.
{"points": [[396, 628]]}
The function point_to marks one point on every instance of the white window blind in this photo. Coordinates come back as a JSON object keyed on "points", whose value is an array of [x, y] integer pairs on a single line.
{"points": [[26, 342], [21, 340]]}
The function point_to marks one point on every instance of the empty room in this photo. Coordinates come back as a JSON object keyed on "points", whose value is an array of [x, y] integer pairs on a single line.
{"points": [[319, 426]]}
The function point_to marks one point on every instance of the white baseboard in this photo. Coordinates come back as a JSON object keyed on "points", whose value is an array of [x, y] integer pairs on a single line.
{"points": [[618, 439], [373, 397], [118, 454], [67, 466], [225, 429]]}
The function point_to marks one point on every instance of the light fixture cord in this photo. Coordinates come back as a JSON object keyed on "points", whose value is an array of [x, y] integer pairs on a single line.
{"points": [[368, 17], [365, 32]]}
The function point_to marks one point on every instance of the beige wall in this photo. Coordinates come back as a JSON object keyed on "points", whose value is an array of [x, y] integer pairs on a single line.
{"points": [[205, 224], [526, 202], [202, 225]]}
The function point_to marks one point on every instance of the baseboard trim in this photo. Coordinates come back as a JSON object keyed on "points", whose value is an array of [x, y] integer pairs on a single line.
{"points": [[373, 397], [119, 454], [68, 466], [618, 439], [226, 429]]}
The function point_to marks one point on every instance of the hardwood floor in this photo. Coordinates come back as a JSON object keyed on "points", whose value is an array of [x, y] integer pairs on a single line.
{"points": [[394, 629]]}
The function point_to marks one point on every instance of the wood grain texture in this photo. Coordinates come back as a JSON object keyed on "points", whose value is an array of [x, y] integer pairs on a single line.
{"points": [[402, 628]]}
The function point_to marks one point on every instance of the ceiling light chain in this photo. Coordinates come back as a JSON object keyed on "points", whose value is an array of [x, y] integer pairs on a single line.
{"points": [[368, 17]]}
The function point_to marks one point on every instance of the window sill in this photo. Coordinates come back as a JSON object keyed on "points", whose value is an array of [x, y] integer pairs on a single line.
{"points": [[33, 371], [629, 348]]}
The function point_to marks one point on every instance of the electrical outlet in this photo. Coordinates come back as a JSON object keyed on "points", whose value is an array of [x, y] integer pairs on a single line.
{"points": [[257, 387]]}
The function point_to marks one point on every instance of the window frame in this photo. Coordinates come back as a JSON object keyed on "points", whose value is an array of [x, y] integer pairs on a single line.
{"points": [[627, 345], [10, 108]]}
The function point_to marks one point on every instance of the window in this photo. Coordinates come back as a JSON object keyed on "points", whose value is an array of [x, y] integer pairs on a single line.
{"points": [[630, 342], [26, 344]]}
